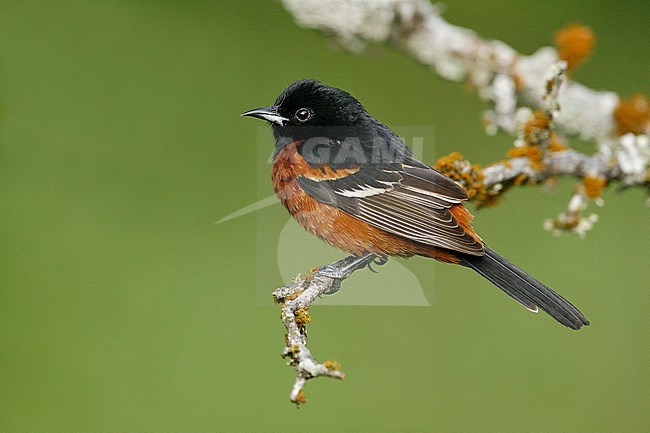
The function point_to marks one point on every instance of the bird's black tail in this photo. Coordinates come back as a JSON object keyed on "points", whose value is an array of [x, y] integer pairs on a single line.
{"points": [[525, 289]]}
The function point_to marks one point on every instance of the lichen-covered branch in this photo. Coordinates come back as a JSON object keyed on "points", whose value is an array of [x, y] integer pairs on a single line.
{"points": [[539, 155], [498, 72], [296, 298], [526, 93]]}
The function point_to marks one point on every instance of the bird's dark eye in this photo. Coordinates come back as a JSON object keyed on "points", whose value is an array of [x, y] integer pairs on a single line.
{"points": [[303, 115]]}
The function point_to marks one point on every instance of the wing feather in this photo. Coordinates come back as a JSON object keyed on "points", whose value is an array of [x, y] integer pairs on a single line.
{"points": [[406, 200]]}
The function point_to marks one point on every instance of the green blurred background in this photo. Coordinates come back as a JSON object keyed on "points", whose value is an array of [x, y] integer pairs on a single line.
{"points": [[124, 307]]}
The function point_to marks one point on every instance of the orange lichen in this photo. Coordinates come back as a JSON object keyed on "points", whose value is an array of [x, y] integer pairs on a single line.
{"points": [[533, 153], [293, 353], [470, 176], [536, 130], [448, 162], [311, 272], [537, 134], [567, 223], [549, 88], [520, 179], [556, 145], [632, 115], [518, 81], [486, 121], [574, 43], [289, 297], [302, 317], [332, 365], [593, 186], [294, 295], [300, 398], [540, 120]]}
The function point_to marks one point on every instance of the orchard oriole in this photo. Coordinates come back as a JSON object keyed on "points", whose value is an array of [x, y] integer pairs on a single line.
{"points": [[350, 180]]}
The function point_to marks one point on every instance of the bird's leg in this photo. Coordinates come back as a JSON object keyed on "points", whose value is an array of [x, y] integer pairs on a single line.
{"points": [[343, 268]]}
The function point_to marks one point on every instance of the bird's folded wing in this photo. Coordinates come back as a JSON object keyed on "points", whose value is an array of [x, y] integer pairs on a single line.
{"points": [[408, 200]]}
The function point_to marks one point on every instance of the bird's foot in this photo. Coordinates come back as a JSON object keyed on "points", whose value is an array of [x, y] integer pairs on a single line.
{"points": [[379, 261], [343, 268]]}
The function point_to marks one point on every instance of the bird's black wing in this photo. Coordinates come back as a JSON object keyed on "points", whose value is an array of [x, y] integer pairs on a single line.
{"points": [[407, 199]]}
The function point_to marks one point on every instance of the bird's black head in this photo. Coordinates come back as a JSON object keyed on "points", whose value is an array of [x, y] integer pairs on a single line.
{"points": [[309, 108]]}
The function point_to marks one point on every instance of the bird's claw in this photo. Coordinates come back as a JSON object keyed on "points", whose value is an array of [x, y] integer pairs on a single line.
{"points": [[379, 261], [344, 268]]}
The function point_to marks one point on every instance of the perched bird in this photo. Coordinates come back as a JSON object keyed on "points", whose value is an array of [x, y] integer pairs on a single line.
{"points": [[350, 180]]}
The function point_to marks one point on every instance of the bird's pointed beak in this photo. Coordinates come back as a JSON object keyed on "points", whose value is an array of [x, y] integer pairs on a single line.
{"points": [[270, 114]]}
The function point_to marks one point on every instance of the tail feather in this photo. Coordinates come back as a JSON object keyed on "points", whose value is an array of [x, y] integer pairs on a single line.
{"points": [[525, 289]]}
